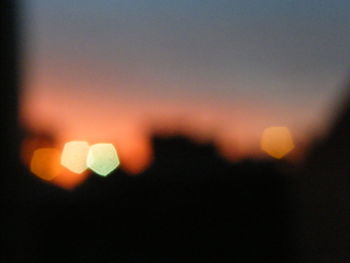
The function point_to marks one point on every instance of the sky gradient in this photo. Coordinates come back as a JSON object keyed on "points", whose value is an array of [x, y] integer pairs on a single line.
{"points": [[221, 70]]}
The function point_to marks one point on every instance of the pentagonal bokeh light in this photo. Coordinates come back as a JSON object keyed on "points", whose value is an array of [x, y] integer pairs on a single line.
{"points": [[45, 163], [277, 142], [102, 158], [74, 156]]}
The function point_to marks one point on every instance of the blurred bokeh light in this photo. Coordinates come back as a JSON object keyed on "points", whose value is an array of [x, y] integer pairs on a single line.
{"points": [[74, 156], [102, 158], [277, 142], [45, 163], [34, 141]]}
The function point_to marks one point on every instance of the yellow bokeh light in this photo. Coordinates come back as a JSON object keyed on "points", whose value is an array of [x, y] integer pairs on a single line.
{"points": [[74, 156], [102, 158], [277, 142], [45, 163]]}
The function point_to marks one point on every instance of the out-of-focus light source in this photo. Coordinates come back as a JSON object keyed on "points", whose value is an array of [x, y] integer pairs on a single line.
{"points": [[74, 156], [45, 163], [277, 142], [102, 158], [32, 143]]}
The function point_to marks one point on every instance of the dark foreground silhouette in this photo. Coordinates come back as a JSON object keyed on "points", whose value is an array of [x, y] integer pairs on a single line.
{"points": [[190, 205]]}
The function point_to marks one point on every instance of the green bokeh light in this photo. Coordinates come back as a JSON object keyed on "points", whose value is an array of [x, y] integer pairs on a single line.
{"points": [[102, 158]]}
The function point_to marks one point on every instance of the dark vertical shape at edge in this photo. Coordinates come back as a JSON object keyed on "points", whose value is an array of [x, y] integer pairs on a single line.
{"points": [[9, 83], [10, 168]]}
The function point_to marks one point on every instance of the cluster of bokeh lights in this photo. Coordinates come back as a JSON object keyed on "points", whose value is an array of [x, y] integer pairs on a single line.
{"points": [[77, 157], [69, 167]]}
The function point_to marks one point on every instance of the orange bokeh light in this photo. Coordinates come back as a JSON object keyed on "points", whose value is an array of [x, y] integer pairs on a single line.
{"points": [[277, 142], [32, 143], [45, 163]]}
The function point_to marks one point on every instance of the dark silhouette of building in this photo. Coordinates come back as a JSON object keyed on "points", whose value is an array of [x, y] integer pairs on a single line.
{"points": [[189, 205], [325, 196]]}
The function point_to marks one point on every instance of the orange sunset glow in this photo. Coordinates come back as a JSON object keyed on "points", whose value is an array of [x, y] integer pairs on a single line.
{"points": [[210, 79], [68, 119], [235, 129]]}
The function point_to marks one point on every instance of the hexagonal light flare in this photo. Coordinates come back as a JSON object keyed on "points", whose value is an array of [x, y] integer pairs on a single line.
{"points": [[102, 158], [74, 156], [277, 142]]}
